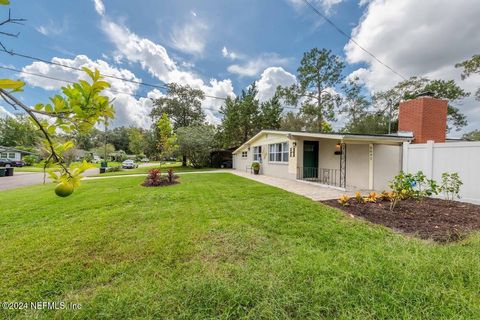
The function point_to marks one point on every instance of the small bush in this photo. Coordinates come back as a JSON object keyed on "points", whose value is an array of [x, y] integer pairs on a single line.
{"points": [[344, 200], [114, 169], [155, 178], [407, 185], [29, 160], [358, 197], [372, 197], [450, 186]]}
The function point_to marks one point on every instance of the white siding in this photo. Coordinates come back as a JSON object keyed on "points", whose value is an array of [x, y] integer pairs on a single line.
{"points": [[282, 170], [387, 163]]}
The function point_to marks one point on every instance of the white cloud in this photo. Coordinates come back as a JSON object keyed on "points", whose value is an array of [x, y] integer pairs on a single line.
{"points": [[325, 5], [413, 41], [270, 79], [229, 54], [52, 28], [252, 67], [79, 61], [128, 109], [190, 37], [155, 59], [4, 113], [99, 7]]}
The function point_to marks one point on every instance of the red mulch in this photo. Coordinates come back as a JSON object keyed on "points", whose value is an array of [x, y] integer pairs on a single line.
{"points": [[436, 219]]}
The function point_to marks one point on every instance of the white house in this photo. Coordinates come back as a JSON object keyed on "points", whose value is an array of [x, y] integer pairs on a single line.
{"points": [[12, 154], [347, 161], [368, 162]]}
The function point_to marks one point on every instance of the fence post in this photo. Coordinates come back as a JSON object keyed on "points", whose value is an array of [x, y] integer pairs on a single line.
{"points": [[429, 168], [405, 156]]}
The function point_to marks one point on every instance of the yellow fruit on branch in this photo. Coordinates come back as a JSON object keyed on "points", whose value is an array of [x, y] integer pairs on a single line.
{"points": [[64, 189]]}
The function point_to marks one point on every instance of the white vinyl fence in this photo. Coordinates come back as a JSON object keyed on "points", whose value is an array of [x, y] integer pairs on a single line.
{"points": [[436, 158]]}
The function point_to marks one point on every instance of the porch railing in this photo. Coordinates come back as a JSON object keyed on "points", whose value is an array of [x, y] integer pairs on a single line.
{"points": [[325, 176]]}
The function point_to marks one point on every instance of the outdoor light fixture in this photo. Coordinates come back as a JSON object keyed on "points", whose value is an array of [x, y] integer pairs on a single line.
{"points": [[294, 144], [338, 149]]}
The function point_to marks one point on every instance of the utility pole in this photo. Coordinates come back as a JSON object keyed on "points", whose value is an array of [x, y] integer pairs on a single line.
{"points": [[389, 116]]}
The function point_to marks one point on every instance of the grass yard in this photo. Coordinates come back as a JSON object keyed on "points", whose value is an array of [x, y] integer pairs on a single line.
{"points": [[220, 246]]}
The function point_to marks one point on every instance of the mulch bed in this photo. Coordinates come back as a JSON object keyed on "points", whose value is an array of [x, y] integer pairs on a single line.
{"points": [[436, 219]]}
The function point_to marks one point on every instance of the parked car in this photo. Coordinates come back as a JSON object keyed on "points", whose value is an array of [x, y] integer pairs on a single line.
{"points": [[18, 163], [96, 159], [129, 164], [6, 163], [226, 164], [145, 160]]}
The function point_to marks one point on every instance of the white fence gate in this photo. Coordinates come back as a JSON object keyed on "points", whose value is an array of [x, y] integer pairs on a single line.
{"points": [[436, 158]]}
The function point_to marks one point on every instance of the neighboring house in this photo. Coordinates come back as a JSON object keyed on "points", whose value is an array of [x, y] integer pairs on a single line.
{"points": [[12, 153], [360, 161]]}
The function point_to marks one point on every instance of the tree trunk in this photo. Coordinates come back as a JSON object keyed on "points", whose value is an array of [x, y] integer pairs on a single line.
{"points": [[184, 161]]}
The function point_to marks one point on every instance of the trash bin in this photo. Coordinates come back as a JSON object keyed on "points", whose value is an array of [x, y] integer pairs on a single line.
{"points": [[103, 170], [9, 172], [103, 164], [3, 172]]}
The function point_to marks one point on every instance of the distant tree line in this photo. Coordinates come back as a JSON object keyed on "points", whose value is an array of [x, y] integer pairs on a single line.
{"points": [[318, 99]]}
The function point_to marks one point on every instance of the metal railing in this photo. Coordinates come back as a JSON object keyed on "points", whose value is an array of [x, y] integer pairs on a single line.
{"points": [[325, 176]]}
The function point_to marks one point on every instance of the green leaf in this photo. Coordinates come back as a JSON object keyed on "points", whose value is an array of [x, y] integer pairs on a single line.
{"points": [[4, 2], [11, 84]]}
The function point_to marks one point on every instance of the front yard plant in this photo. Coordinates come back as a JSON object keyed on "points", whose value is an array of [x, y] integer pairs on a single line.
{"points": [[155, 179], [409, 208]]}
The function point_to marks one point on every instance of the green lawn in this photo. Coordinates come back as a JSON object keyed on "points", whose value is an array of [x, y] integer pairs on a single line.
{"points": [[220, 246]]}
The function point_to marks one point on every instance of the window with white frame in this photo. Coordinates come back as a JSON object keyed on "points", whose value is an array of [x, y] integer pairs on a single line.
{"points": [[257, 153], [244, 154], [11, 155], [3, 155], [278, 152]]}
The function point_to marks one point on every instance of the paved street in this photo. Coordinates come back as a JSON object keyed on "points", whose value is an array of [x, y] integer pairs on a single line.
{"points": [[21, 179]]}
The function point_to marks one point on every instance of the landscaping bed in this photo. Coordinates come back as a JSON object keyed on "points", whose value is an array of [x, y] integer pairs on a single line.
{"points": [[436, 219]]}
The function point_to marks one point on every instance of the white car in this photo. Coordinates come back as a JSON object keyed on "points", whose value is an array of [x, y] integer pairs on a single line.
{"points": [[129, 164]]}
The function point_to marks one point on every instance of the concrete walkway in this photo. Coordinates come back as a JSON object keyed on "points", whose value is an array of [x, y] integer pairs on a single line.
{"points": [[306, 189]]}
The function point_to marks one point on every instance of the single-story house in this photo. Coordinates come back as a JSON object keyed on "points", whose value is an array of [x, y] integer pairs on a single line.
{"points": [[12, 153], [343, 160], [354, 161]]}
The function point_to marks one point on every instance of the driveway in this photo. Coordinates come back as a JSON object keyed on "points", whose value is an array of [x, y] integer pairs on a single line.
{"points": [[22, 179]]}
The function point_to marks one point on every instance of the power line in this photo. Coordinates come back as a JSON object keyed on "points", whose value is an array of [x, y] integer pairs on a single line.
{"points": [[163, 86], [71, 82], [63, 80], [351, 39]]}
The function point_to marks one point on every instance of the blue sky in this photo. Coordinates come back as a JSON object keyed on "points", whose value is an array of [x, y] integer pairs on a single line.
{"points": [[223, 46]]}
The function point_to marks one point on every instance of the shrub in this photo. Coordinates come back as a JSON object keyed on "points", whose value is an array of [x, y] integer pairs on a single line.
{"points": [[155, 178], [170, 176], [29, 160], [423, 187], [372, 197], [256, 166], [407, 185], [114, 169], [344, 200], [358, 197], [450, 186]]}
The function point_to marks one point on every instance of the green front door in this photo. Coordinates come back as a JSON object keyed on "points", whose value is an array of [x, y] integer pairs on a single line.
{"points": [[310, 159]]}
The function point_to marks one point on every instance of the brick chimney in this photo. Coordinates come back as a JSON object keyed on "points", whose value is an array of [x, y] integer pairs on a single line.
{"points": [[424, 116]]}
